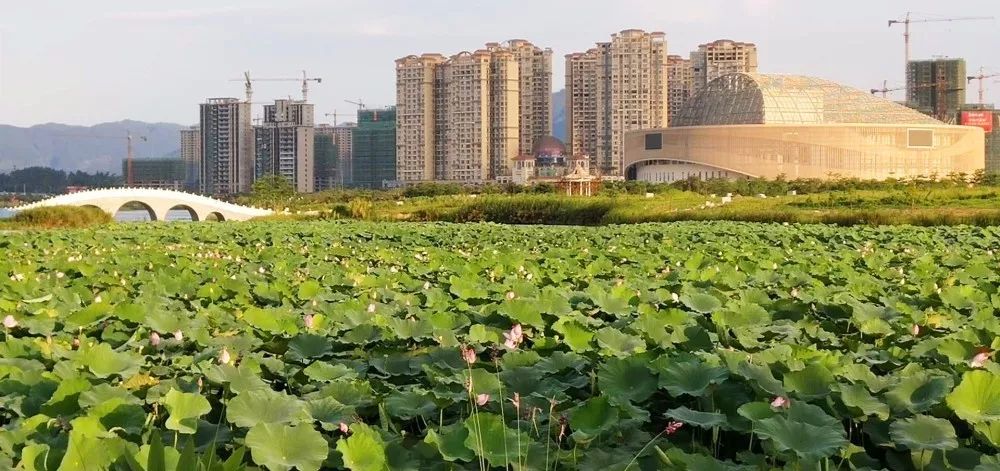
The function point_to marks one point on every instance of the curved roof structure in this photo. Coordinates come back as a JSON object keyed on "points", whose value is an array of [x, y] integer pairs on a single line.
{"points": [[790, 99], [549, 146]]}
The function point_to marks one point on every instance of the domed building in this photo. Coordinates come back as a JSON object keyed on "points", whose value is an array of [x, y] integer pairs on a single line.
{"points": [[752, 125], [550, 164]]}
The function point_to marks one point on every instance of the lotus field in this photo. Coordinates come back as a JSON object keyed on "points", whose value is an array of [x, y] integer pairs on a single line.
{"points": [[698, 346]]}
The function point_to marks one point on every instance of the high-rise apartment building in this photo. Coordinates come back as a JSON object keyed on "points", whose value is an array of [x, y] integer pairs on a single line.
{"points": [[467, 117], [534, 90], [227, 147], [936, 87], [680, 84], [630, 93], [722, 57], [341, 138], [375, 148], [285, 143], [416, 121], [191, 156], [166, 174], [581, 102]]}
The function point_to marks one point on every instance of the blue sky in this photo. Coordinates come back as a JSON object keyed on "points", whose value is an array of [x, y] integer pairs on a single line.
{"points": [[85, 62]]}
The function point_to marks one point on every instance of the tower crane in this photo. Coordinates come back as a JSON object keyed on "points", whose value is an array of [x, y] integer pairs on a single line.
{"points": [[129, 151], [940, 87], [360, 104], [885, 89], [907, 20], [980, 77], [334, 114], [248, 83]]}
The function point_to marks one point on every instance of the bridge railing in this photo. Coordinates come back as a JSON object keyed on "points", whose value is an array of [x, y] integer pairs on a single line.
{"points": [[90, 192]]}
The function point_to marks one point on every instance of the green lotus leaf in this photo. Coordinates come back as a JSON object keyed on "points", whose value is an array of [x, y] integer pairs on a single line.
{"points": [[856, 396], [613, 301], [450, 442], [760, 376], [977, 398], [813, 381], [467, 288], [576, 335], [308, 346], [805, 440], [87, 453], [918, 391], [594, 416], [326, 372], [410, 404], [309, 289], [697, 418], [701, 302], [274, 321], [240, 378], [329, 412], [281, 447], [688, 376], [264, 406], [990, 431], [184, 409], [523, 311], [103, 361], [922, 432], [492, 440], [626, 379], [755, 411]]}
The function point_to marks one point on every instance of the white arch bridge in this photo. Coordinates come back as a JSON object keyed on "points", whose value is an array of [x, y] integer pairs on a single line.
{"points": [[156, 201]]}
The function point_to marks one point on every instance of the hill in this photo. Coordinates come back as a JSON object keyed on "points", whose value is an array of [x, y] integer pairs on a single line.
{"points": [[86, 148]]}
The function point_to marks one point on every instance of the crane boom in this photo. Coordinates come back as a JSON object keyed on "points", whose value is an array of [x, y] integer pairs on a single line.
{"points": [[907, 20], [980, 77], [305, 83]]}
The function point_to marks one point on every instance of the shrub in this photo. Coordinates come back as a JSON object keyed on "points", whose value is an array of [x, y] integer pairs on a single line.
{"points": [[62, 216], [360, 208]]}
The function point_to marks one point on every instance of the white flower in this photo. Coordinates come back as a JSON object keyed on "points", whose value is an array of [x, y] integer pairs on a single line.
{"points": [[427, 285], [60, 274], [371, 308], [511, 295], [178, 336], [97, 299], [261, 270], [224, 356], [309, 321], [674, 297], [9, 321], [979, 360], [482, 399]]}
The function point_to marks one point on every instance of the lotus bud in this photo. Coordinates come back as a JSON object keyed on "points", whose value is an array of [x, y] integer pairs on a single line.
{"points": [[97, 299], [673, 427], [9, 322], [979, 360], [674, 297], [76, 343], [469, 355], [482, 399], [780, 402], [915, 330], [154, 339], [310, 321], [344, 429], [224, 356], [427, 285], [511, 295], [371, 308], [178, 336]]}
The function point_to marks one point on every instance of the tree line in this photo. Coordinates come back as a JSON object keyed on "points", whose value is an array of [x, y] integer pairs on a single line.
{"points": [[51, 181]]}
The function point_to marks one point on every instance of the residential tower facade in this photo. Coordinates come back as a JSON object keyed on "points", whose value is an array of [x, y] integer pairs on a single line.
{"points": [[227, 147]]}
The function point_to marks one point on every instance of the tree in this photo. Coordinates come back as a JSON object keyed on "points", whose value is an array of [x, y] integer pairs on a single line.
{"points": [[272, 191]]}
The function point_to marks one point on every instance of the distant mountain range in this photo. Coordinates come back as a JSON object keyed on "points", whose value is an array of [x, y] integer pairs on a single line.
{"points": [[559, 114], [99, 148]]}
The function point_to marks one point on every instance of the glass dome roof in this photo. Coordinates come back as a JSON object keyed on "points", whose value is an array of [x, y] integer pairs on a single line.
{"points": [[790, 99]]}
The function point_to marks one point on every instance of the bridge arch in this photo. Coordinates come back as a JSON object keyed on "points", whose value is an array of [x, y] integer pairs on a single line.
{"points": [[181, 207], [215, 216], [135, 205]]}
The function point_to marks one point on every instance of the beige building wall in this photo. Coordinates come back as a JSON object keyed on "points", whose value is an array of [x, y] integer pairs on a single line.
{"points": [[415, 123], [721, 57], [680, 85], [228, 156], [191, 145], [466, 139], [631, 93], [864, 151], [535, 84], [581, 102], [505, 112]]}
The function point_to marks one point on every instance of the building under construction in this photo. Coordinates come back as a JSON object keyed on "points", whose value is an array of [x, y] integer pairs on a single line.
{"points": [[168, 174], [987, 117], [375, 148], [936, 87]]}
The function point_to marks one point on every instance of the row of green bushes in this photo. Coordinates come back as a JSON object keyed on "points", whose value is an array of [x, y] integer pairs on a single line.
{"points": [[61, 217]]}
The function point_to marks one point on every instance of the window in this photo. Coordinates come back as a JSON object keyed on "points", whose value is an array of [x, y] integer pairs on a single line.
{"points": [[920, 138], [654, 141]]}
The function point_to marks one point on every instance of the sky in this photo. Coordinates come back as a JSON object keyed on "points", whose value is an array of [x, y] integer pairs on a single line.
{"points": [[93, 61]]}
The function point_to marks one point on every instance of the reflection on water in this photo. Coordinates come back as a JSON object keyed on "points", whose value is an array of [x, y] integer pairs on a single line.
{"points": [[5, 214], [138, 215]]}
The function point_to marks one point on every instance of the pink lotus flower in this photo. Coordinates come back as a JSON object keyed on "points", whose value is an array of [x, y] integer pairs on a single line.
{"points": [[76, 343], [224, 356], [673, 427], [514, 337], [781, 402], [980, 359], [516, 400], [154, 339], [344, 429], [310, 321], [482, 399], [9, 322], [469, 355]]}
